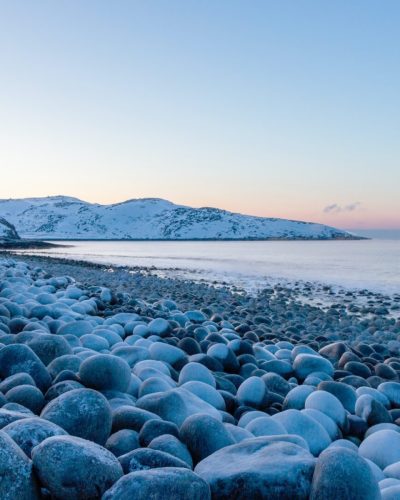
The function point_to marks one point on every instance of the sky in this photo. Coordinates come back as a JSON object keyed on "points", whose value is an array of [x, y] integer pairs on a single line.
{"points": [[286, 108]]}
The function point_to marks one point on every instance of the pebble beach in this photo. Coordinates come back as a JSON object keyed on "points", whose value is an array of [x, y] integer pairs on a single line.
{"points": [[117, 383]]}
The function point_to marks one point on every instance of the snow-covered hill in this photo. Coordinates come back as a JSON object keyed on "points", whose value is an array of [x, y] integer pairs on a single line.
{"points": [[7, 231], [62, 217]]}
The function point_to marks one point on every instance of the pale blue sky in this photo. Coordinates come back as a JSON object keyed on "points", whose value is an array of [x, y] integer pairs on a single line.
{"points": [[276, 108]]}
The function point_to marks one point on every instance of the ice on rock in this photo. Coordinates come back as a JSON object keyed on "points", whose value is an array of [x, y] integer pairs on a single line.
{"points": [[167, 353], [17, 480], [328, 404], [259, 468], [196, 372], [176, 405], [206, 393], [172, 445], [203, 435], [296, 422], [341, 473], [252, 392], [29, 432], [305, 364], [159, 326], [83, 413], [104, 371], [382, 448], [174, 483], [296, 398], [71, 467], [265, 426]]}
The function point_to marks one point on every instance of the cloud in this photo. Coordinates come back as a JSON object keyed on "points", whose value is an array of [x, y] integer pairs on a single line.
{"points": [[334, 208], [352, 206]]}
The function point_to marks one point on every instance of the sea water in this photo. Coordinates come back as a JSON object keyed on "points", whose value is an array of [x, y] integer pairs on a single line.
{"points": [[364, 264]]}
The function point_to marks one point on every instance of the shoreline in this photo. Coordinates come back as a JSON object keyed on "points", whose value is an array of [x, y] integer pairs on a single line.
{"points": [[362, 303], [297, 238], [212, 372], [25, 244]]}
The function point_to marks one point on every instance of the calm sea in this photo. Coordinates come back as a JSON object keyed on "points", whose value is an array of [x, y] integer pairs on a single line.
{"points": [[373, 264]]}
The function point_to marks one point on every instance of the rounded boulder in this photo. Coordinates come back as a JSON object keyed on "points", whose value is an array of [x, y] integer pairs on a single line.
{"points": [[71, 468], [261, 467], [81, 412], [105, 372]]}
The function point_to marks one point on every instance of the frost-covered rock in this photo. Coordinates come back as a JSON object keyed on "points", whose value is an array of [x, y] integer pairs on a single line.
{"points": [[259, 468], [203, 435], [252, 392], [105, 372], [341, 473], [176, 405], [17, 358], [71, 467], [382, 448], [17, 480], [296, 422], [328, 404], [81, 412], [170, 482], [29, 432], [196, 372], [305, 364], [146, 458]]}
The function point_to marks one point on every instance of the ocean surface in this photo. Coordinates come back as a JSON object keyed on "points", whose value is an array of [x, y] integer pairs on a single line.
{"points": [[366, 264]]}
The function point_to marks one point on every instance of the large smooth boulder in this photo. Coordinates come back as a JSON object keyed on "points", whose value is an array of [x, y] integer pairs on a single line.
{"points": [[176, 405], [129, 417], [345, 393], [122, 442], [146, 458], [172, 445], [105, 372], [16, 380], [252, 392], [296, 398], [83, 413], [17, 480], [265, 426], [382, 448], [71, 468], [8, 416], [328, 404], [372, 411], [206, 393], [305, 364], [263, 467], [159, 484], [29, 432], [392, 391], [166, 353], [17, 358], [196, 372], [341, 473], [26, 395], [296, 422], [203, 435], [49, 347]]}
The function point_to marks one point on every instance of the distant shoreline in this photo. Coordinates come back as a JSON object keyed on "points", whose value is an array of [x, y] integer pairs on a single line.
{"points": [[28, 245], [350, 238]]}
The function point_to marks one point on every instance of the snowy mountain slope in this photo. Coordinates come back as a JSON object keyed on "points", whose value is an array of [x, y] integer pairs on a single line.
{"points": [[63, 217], [7, 231]]}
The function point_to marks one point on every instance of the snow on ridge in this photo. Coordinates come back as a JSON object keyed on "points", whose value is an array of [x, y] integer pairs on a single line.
{"points": [[64, 217]]}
